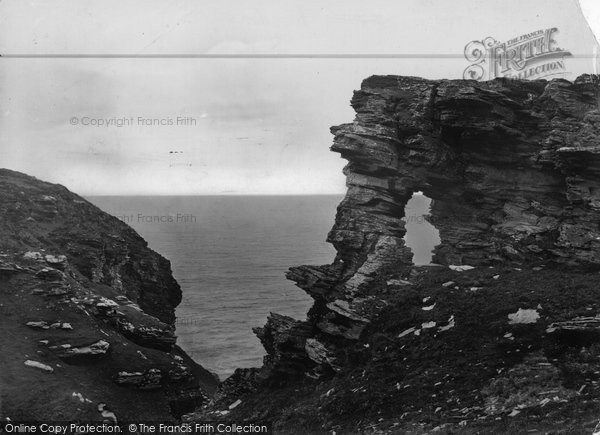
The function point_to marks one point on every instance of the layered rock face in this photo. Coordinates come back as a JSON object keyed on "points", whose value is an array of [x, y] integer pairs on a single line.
{"points": [[510, 312], [86, 313], [511, 167]]}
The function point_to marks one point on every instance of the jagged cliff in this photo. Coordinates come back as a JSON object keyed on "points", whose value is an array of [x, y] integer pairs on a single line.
{"points": [[86, 314], [511, 167], [502, 332]]}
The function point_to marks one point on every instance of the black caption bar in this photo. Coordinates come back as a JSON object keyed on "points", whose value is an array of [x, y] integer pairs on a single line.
{"points": [[133, 428]]}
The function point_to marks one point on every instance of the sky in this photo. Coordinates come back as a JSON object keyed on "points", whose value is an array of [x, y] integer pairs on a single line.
{"points": [[247, 124]]}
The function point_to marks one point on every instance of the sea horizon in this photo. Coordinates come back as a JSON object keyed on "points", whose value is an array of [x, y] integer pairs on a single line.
{"points": [[229, 254], [212, 194], [230, 261]]}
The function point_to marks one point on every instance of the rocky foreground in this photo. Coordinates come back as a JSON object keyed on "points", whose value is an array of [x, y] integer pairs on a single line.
{"points": [[86, 315], [503, 336]]}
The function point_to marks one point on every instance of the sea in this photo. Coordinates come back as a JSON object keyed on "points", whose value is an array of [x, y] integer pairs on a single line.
{"points": [[230, 254]]}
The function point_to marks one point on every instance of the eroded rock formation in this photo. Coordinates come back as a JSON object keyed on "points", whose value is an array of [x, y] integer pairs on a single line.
{"points": [[511, 166], [501, 334]]}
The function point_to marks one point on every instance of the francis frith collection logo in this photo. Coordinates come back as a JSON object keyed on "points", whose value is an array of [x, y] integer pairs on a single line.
{"points": [[534, 55]]}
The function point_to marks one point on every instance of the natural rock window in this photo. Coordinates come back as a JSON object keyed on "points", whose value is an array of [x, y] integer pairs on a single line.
{"points": [[421, 236]]}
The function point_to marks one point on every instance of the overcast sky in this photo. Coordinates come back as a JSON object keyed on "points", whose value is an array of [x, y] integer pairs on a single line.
{"points": [[257, 126]]}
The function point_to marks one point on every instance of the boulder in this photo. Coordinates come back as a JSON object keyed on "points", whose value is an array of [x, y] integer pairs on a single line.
{"points": [[149, 379]]}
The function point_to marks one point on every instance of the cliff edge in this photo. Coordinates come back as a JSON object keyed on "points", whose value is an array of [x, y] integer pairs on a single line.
{"points": [[502, 334], [86, 314]]}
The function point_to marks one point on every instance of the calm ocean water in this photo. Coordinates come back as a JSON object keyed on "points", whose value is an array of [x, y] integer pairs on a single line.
{"points": [[230, 253]]}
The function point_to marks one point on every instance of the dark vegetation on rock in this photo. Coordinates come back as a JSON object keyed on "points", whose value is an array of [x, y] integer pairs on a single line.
{"points": [[508, 343], [86, 314]]}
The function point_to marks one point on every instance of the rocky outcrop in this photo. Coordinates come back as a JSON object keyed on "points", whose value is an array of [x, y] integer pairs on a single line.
{"points": [[87, 314], [40, 216], [504, 328], [510, 167], [284, 339]]}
